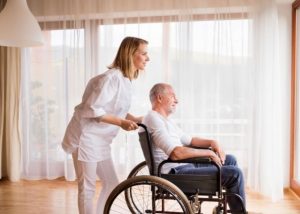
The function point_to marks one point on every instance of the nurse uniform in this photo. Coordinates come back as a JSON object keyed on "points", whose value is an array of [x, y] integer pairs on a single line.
{"points": [[89, 141]]}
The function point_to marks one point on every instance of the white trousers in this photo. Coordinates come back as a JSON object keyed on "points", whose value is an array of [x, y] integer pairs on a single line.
{"points": [[87, 173]]}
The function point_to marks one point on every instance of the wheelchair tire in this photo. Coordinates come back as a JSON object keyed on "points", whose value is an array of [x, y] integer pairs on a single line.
{"points": [[143, 187], [140, 169]]}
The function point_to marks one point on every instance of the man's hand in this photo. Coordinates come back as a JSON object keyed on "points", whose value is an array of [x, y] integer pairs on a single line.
{"points": [[217, 149], [215, 158], [128, 125], [222, 156]]}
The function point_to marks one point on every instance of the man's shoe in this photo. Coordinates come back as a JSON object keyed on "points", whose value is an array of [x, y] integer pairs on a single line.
{"points": [[217, 210]]}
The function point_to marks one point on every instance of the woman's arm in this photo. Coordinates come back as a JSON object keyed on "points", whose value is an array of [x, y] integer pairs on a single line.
{"points": [[125, 124], [133, 118]]}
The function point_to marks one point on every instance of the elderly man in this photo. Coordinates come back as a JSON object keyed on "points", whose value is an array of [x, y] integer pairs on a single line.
{"points": [[170, 142]]}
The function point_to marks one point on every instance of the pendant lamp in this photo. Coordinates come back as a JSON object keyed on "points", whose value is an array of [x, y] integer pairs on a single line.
{"points": [[18, 27]]}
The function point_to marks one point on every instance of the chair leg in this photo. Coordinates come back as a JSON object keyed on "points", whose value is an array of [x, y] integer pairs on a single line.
{"points": [[218, 209], [195, 204], [240, 200]]}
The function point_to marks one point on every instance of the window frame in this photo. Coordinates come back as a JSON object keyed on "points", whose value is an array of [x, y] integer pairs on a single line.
{"points": [[294, 184]]}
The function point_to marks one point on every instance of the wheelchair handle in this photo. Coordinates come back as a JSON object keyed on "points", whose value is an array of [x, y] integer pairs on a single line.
{"points": [[142, 125]]}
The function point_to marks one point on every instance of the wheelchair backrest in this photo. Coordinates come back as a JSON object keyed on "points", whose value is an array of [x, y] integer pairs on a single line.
{"points": [[145, 142]]}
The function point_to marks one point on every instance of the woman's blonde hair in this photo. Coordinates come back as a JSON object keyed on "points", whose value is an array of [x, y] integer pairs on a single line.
{"points": [[124, 57]]}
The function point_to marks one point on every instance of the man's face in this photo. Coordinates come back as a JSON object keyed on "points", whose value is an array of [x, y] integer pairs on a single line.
{"points": [[169, 100]]}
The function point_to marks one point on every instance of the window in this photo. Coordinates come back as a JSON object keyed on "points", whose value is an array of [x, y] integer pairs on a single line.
{"points": [[203, 59], [54, 80]]}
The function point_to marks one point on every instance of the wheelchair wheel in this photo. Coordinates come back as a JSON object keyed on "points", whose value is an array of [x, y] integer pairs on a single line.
{"points": [[150, 194], [140, 169]]}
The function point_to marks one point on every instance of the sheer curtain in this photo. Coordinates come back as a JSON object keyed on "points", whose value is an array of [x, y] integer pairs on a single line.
{"points": [[269, 151], [227, 60]]}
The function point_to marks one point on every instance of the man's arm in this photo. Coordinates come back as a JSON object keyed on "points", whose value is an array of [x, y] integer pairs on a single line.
{"points": [[206, 143], [201, 142], [182, 152]]}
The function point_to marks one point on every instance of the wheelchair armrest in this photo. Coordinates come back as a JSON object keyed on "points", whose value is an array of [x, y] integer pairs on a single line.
{"points": [[189, 160], [196, 147]]}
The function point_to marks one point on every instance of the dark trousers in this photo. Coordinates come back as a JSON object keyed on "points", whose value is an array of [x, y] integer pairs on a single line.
{"points": [[232, 178]]}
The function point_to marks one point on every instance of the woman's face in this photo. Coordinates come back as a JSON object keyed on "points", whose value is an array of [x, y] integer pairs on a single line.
{"points": [[140, 57]]}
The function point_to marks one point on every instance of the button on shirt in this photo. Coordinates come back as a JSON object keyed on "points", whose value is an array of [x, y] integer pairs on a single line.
{"points": [[166, 135], [108, 93]]}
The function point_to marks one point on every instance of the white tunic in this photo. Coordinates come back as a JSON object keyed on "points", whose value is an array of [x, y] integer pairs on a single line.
{"points": [[166, 135], [108, 93]]}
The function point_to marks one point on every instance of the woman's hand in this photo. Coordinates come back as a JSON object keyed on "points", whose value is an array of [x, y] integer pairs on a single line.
{"points": [[128, 125]]}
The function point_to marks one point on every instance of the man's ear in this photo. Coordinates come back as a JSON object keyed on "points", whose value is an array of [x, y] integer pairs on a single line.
{"points": [[159, 98]]}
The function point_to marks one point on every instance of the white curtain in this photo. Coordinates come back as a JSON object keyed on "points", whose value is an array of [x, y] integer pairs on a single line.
{"points": [[227, 60], [269, 152]]}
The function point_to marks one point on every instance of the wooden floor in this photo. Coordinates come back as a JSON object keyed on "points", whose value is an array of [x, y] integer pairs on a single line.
{"points": [[60, 197]]}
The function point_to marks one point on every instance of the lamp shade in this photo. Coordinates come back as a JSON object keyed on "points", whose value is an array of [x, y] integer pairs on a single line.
{"points": [[18, 27]]}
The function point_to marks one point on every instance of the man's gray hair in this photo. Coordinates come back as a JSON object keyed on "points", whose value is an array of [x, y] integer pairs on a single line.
{"points": [[156, 90]]}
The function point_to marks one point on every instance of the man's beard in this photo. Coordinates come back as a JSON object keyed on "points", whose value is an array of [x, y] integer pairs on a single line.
{"points": [[172, 110]]}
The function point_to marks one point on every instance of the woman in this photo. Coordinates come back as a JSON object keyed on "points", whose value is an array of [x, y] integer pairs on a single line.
{"points": [[97, 119]]}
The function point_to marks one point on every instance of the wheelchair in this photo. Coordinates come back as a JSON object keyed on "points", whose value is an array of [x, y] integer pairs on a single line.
{"points": [[147, 190]]}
